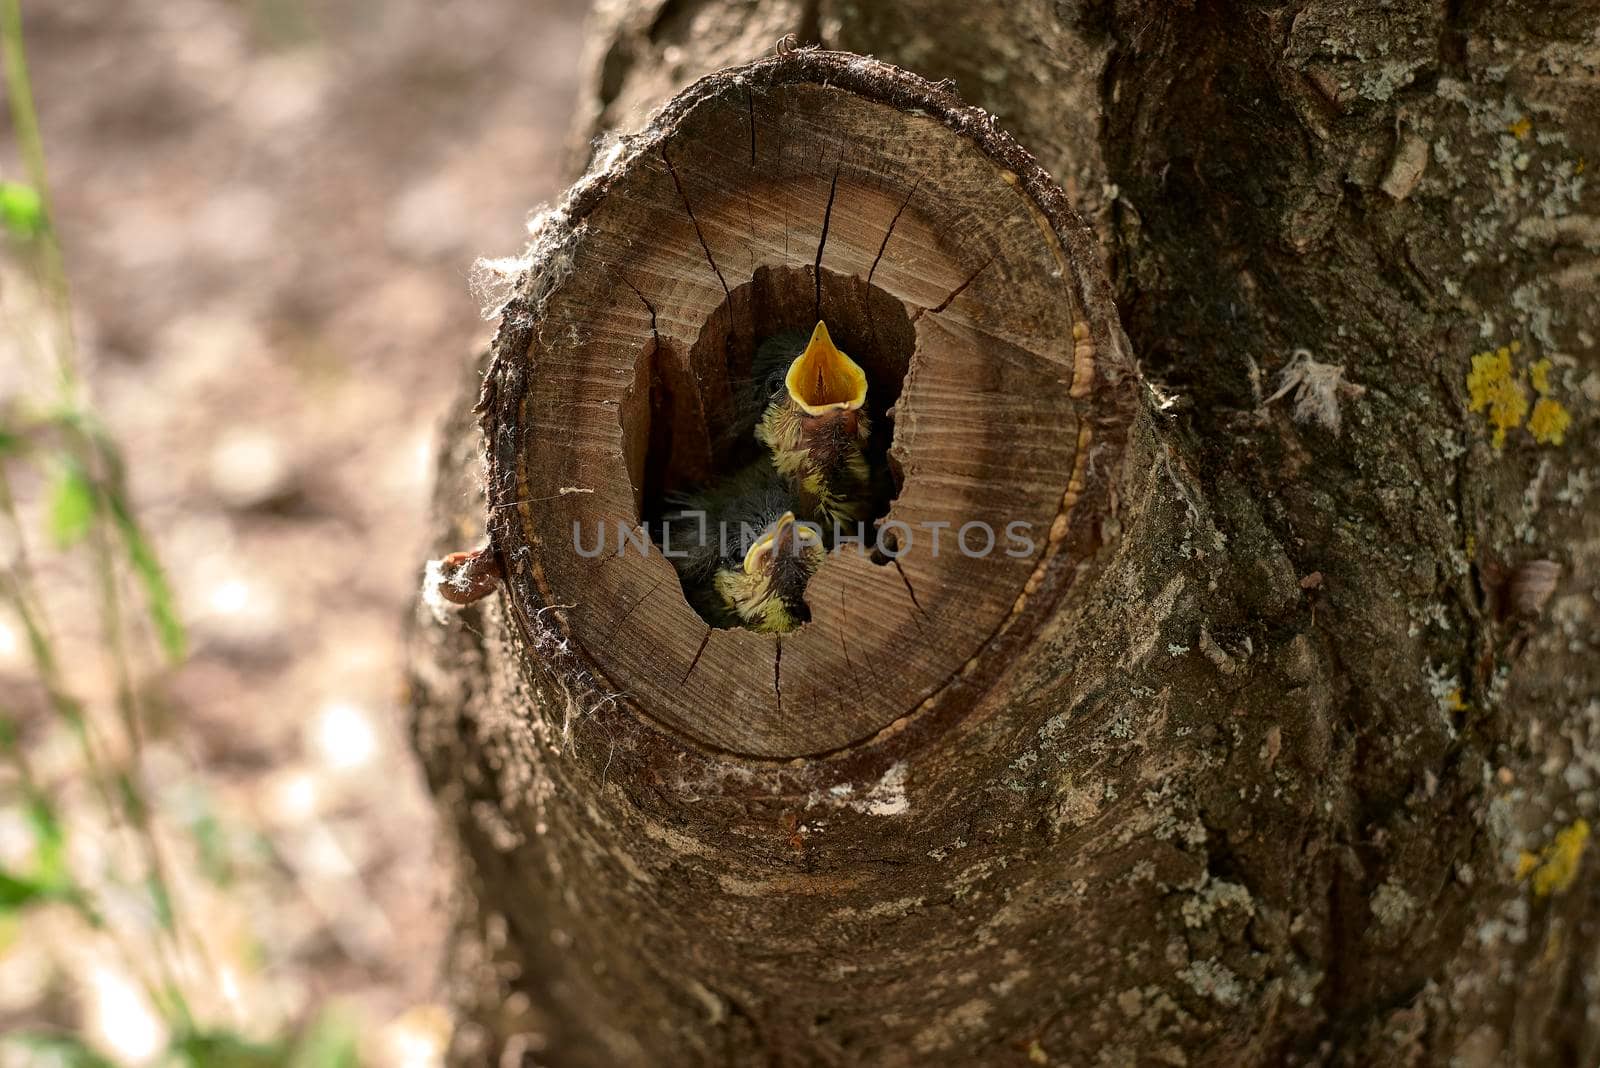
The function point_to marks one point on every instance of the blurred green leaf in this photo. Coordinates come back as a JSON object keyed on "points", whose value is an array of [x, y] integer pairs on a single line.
{"points": [[211, 842], [49, 880], [50, 840], [330, 1040], [19, 891], [224, 1049], [129, 794], [162, 902], [21, 209], [60, 1051], [72, 506], [158, 593]]}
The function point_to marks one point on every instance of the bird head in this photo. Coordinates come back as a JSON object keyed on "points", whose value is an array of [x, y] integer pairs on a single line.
{"points": [[824, 384], [768, 589]]}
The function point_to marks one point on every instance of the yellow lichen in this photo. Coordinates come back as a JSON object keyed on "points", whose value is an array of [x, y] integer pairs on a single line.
{"points": [[1521, 128], [1539, 375], [1526, 862], [1493, 385], [1549, 422], [1497, 387], [1558, 864], [1454, 702]]}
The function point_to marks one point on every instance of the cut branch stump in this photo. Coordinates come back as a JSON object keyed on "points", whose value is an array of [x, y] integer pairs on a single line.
{"points": [[762, 198]]}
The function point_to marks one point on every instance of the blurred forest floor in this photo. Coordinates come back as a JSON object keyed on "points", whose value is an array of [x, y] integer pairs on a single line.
{"points": [[269, 210]]}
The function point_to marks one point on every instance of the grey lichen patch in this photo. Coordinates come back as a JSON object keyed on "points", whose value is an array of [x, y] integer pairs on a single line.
{"points": [[894, 909], [1217, 895], [1018, 780], [949, 1031], [1508, 927], [1381, 81], [1214, 980], [1173, 816], [1392, 906], [1365, 51]]}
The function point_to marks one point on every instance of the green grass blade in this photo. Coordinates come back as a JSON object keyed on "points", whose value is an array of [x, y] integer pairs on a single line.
{"points": [[21, 210], [72, 506], [158, 593]]}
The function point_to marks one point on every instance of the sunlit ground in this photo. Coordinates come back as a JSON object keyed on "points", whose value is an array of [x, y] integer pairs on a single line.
{"points": [[268, 210]]}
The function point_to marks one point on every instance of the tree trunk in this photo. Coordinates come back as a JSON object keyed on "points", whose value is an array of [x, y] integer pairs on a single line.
{"points": [[1288, 756]]}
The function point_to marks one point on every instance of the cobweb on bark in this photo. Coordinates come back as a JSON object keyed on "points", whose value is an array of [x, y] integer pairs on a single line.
{"points": [[1317, 388]]}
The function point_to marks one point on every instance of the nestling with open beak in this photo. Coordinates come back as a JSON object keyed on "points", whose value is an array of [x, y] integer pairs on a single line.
{"points": [[712, 537], [817, 429], [766, 592]]}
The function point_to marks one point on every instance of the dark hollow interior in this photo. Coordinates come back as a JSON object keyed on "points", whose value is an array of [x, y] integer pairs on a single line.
{"points": [[687, 422], [681, 422]]}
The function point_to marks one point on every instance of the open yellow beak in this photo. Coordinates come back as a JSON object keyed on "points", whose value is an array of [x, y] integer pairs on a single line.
{"points": [[823, 379], [783, 536]]}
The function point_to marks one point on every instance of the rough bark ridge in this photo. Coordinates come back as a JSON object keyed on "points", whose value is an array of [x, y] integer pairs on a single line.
{"points": [[1301, 776]]}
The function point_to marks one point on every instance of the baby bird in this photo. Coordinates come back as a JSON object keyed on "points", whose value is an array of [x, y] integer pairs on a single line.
{"points": [[712, 538], [767, 590], [816, 430]]}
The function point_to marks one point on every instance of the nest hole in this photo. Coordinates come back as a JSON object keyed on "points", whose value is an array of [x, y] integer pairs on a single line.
{"points": [[690, 419]]}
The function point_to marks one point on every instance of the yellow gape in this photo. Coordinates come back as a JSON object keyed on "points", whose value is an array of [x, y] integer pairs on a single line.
{"points": [[767, 591], [824, 379], [816, 430]]}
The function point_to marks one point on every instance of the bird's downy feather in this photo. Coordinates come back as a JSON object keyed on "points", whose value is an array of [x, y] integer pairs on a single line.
{"points": [[715, 526]]}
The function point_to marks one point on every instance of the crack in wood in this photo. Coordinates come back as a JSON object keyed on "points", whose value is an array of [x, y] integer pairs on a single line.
{"points": [[750, 112], [705, 641], [749, 207], [750, 242], [827, 217], [777, 672], [695, 222], [632, 608], [651, 308], [907, 580], [954, 293], [872, 314], [890, 232]]}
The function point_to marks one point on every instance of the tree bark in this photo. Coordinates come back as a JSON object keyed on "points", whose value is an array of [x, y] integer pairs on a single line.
{"points": [[1300, 769]]}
